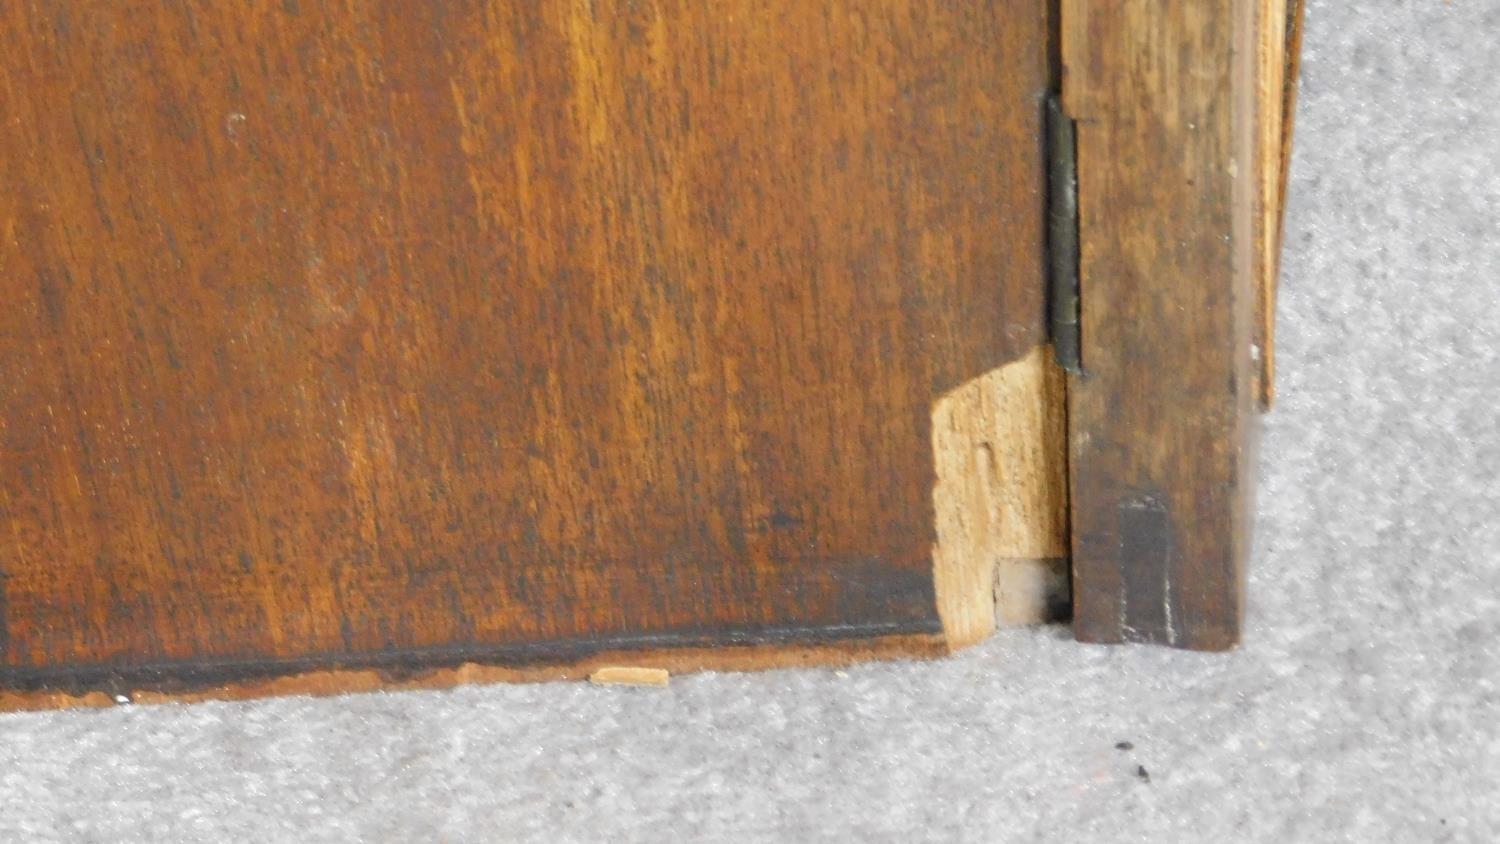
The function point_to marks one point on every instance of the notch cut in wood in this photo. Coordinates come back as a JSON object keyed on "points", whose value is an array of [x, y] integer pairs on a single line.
{"points": [[1001, 500]]}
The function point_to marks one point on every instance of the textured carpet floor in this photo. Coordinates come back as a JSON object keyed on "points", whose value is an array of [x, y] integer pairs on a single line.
{"points": [[1365, 705]]}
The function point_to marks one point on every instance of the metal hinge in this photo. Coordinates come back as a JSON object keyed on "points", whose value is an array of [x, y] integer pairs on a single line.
{"points": [[1062, 236]]}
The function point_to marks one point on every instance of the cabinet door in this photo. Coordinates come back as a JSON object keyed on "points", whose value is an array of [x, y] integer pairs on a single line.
{"points": [[388, 342]]}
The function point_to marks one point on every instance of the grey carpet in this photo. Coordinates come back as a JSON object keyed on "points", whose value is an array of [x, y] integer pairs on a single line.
{"points": [[1364, 706]]}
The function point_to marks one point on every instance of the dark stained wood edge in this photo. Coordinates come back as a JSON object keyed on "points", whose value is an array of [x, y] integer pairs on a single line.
{"points": [[321, 682], [1161, 419], [395, 664], [1000, 500]]}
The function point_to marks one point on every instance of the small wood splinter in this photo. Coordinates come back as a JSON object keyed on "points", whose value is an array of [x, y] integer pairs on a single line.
{"points": [[626, 675]]}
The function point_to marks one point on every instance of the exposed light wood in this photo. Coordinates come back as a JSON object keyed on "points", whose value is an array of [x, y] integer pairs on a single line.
{"points": [[1164, 95], [1001, 499], [348, 340], [629, 675]]}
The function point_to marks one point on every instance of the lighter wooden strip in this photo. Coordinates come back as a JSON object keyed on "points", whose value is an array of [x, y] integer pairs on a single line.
{"points": [[1270, 92], [629, 675], [1280, 43]]}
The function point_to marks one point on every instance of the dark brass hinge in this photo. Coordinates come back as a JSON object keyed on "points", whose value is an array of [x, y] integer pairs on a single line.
{"points": [[1062, 236]]}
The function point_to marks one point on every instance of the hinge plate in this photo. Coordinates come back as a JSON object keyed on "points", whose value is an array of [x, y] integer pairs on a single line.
{"points": [[1062, 236]]}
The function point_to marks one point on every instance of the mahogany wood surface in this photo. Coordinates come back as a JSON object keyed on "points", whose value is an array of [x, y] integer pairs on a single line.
{"points": [[401, 336]]}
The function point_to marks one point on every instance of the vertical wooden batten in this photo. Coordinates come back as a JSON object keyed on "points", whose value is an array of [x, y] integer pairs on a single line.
{"points": [[1160, 419]]}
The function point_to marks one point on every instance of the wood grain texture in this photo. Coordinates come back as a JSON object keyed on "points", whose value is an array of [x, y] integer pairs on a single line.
{"points": [[1160, 421], [392, 336], [1001, 499], [1280, 50]]}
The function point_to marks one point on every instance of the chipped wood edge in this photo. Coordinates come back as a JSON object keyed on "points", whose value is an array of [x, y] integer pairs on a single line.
{"points": [[999, 447]]}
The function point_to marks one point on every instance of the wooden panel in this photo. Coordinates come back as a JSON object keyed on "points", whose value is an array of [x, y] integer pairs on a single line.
{"points": [[406, 335], [1160, 421]]}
